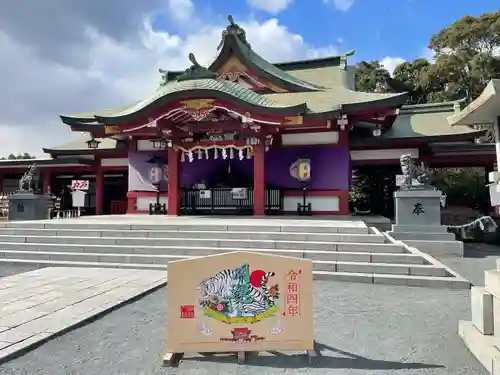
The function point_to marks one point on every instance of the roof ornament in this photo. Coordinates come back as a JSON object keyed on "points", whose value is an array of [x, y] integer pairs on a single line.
{"points": [[234, 29], [164, 76], [196, 71], [343, 59]]}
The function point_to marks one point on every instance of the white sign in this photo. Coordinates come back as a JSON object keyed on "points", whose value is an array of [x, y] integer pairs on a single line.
{"points": [[400, 179], [239, 193], [78, 198], [205, 194], [494, 195], [79, 185]]}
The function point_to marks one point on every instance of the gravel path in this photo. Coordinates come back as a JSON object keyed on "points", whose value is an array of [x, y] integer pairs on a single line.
{"points": [[361, 329]]}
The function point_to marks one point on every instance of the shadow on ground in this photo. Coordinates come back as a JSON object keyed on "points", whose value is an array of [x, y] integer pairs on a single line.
{"points": [[276, 359]]}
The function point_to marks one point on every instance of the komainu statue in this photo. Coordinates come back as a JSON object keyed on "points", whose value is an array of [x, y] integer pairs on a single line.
{"points": [[27, 180], [413, 172]]}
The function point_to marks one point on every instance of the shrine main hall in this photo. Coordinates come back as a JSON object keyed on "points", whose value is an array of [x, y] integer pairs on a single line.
{"points": [[248, 136]]}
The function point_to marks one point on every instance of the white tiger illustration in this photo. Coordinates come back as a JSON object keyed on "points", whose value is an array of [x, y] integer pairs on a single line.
{"points": [[235, 290]]}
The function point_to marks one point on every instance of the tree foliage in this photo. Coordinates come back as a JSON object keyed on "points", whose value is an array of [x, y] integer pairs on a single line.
{"points": [[22, 156], [371, 77], [466, 58]]}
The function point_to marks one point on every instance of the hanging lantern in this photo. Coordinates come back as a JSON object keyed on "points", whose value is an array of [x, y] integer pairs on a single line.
{"points": [[156, 174], [199, 154], [216, 153], [93, 143], [240, 154], [231, 153], [224, 154]]}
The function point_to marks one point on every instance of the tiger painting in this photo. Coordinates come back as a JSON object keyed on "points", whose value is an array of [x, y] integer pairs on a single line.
{"points": [[238, 295]]}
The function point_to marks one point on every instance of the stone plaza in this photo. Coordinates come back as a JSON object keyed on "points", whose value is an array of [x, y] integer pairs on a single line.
{"points": [[360, 328]]}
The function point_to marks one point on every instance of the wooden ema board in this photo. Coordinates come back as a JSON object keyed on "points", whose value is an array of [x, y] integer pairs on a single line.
{"points": [[239, 302]]}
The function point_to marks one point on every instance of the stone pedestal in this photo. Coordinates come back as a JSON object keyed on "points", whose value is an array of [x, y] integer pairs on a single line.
{"points": [[482, 334], [418, 223], [28, 206]]}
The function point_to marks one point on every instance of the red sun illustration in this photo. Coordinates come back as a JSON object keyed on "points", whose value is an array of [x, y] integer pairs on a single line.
{"points": [[256, 278]]}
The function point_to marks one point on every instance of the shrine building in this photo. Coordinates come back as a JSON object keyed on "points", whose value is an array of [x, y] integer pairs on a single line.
{"points": [[249, 136]]}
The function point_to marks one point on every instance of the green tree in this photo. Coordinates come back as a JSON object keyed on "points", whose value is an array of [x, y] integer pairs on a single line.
{"points": [[371, 77], [408, 76], [467, 58], [22, 156]]}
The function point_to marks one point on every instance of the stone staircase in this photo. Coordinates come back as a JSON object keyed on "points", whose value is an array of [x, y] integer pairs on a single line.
{"points": [[482, 334], [341, 251]]}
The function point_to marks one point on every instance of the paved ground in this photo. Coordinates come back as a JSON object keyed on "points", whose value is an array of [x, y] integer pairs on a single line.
{"points": [[9, 270], [38, 304], [478, 258], [361, 328]]}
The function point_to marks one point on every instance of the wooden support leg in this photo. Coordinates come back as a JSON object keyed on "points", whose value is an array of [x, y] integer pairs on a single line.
{"points": [[172, 359], [311, 354], [241, 358]]}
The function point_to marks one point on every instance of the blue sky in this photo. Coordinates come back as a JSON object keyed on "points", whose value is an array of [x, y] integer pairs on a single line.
{"points": [[92, 54], [375, 29]]}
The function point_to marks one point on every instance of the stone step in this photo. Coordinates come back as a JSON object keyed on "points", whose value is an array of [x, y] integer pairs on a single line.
{"points": [[438, 248], [412, 236], [144, 259], [265, 225], [483, 347], [372, 278], [210, 242], [263, 235], [375, 257], [146, 245]]}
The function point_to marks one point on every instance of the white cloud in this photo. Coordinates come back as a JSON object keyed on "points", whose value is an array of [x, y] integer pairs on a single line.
{"points": [[270, 6], [181, 10], [103, 59], [390, 63], [342, 5]]}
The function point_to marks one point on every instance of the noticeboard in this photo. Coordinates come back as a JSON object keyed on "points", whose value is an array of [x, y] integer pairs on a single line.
{"points": [[240, 301], [78, 198]]}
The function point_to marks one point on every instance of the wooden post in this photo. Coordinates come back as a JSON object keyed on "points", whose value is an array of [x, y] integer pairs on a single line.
{"points": [[99, 188], [259, 183], [174, 166], [496, 130], [46, 181]]}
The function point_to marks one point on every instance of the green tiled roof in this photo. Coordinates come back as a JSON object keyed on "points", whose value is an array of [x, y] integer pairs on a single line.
{"points": [[210, 85], [230, 88], [102, 112], [427, 120], [266, 66], [330, 100], [80, 144]]}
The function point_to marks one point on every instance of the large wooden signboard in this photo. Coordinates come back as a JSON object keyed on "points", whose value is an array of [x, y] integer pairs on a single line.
{"points": [[239, 301]]}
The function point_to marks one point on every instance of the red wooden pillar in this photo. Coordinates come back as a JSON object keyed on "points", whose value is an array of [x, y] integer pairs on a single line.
{"points": [[46, 181], [99, 188], [259, 183], [174, 166]]}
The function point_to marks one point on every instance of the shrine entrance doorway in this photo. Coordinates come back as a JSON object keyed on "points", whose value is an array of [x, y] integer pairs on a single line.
{"points": [[229, 192]]}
